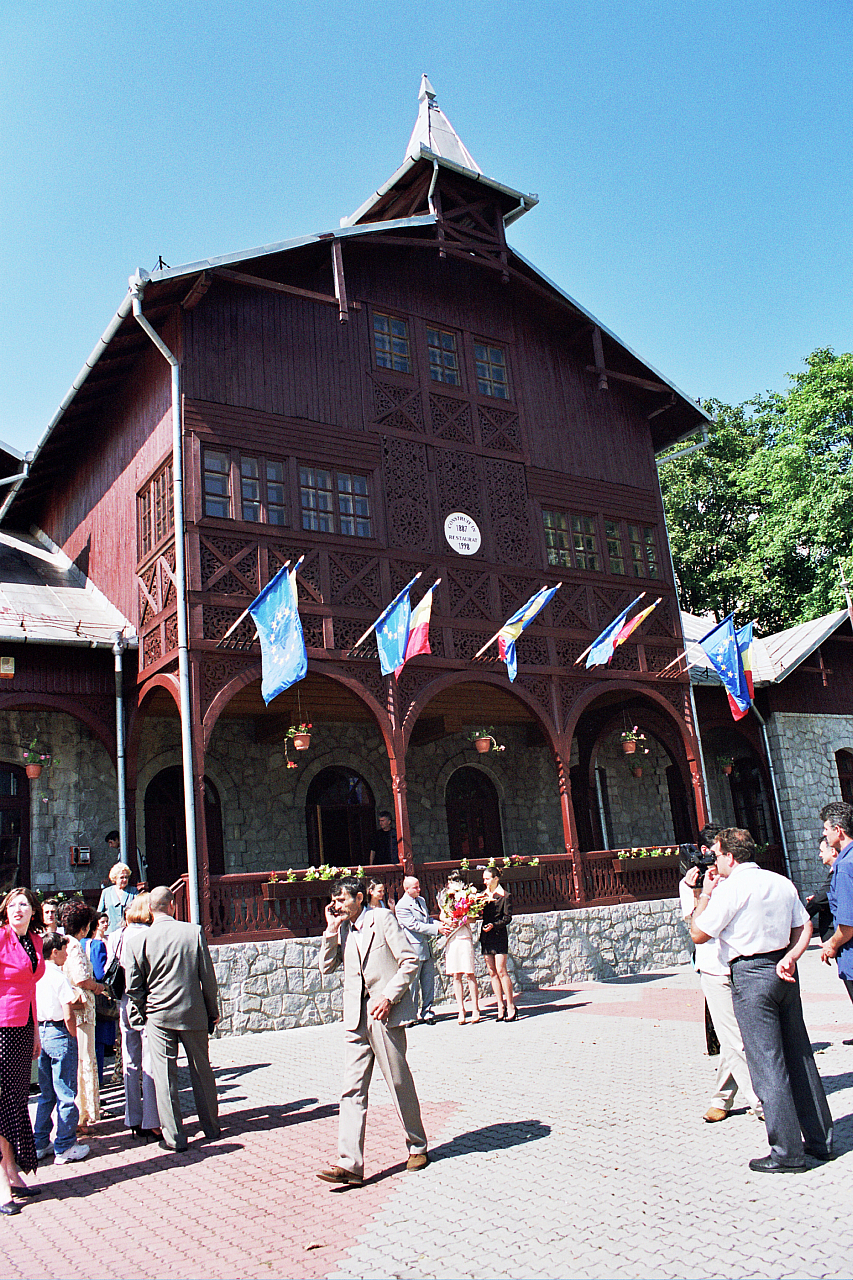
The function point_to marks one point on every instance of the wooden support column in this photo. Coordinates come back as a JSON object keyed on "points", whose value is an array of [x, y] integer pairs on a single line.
{"points": [[198, 787], [397, 762], [570, 834], [340, 282]]}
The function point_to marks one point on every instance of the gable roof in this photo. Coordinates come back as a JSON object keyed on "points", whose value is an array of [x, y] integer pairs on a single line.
{"points": [[45, 599], [774, 657]]}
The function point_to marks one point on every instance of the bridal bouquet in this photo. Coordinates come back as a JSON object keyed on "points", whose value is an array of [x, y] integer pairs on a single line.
{"points": [[460, 904]]}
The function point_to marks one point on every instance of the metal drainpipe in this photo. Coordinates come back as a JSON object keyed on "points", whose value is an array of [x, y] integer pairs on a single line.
{"points": [[137, 286], [773, 781], [118, 649]]}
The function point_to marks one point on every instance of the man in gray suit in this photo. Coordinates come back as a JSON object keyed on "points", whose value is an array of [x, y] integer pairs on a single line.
{"points": [[172, 992], [379, 965], [413, 915]]}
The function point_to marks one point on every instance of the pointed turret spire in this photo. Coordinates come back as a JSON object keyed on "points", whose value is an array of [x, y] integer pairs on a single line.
{"points": [[434, 131]]}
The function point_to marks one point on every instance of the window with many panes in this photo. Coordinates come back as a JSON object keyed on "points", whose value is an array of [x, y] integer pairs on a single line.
{"points": [[156, 510], [491, 371], [613, 537], [443, 357], [571, 540], [391, 343], [334, 502], [258, 483], [644, 555]]}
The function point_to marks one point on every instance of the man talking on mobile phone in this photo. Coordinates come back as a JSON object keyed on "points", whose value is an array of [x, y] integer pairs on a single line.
{"points": [[379, 965]]}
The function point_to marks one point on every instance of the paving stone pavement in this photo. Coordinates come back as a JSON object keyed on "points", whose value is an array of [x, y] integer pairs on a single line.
{"points": [[569, 1144]]}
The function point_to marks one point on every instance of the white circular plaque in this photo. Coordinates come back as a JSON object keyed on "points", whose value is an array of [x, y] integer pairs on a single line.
{"points": [[462, 533]]}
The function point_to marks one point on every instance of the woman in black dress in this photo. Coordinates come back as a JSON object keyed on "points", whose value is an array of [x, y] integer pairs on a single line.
{"points": [[494, 943], [21, 965]]}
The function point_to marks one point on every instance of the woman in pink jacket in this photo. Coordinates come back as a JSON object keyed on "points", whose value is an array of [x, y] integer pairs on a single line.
{"points": [[21, 965]]}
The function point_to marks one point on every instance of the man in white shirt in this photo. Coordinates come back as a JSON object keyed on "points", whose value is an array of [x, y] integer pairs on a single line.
{"points": [[715, 978], [763, 929], [57, 1065]]}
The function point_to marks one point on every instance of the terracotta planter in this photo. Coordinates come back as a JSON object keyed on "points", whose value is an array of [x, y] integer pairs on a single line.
{"points": [[629, 747], [727, 768], [483, 745], [637, 770], [33, 770], [520, 873], [302, 741]]}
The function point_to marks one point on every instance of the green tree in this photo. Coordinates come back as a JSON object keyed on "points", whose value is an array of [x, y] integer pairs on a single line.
{"points": [[760, 518]]}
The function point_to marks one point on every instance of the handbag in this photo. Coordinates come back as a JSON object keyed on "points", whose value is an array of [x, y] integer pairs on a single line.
{"points": [[106, 1009], [114, 975]]}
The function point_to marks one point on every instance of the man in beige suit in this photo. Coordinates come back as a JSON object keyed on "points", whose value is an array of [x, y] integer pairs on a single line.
{"points": [[379, 965], [172, 992]]}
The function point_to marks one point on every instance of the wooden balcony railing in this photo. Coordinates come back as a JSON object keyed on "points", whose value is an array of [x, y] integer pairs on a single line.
{"points": [[240, 912]]}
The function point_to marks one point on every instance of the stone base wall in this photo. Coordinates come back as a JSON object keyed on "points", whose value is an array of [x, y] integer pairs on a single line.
{"points": [[804, 748], [272, 986]]}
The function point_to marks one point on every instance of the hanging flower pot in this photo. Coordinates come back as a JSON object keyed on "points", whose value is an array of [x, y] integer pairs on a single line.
{"points": [[300, 736], [484, 740], [726, 763], [727, 768], [483, 745], [637, 770], [33, 770], [302, 741], [634, 740], [629, 747]]}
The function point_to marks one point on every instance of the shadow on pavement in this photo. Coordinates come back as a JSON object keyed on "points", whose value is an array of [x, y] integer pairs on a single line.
{"points": [[494, 1137]]}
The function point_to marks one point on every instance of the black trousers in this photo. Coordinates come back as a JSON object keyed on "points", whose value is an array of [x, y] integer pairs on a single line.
{"points": [[779, 1055]]}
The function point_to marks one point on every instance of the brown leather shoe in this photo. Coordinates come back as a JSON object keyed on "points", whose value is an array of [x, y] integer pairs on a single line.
{"points": [[713, 1114], [341, 1177], [417, 1162]]}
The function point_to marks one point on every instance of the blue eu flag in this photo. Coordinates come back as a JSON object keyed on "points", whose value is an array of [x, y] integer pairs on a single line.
{"points": [[276, 615], [721, 646], [392, 631]]}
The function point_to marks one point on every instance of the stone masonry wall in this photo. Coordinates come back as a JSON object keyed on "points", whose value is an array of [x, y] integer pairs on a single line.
{"points": [[268, 986], [803, 749], [73, 802]]}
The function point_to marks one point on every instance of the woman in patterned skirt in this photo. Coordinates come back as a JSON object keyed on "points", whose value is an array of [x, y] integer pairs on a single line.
{"points": [[21, 965]]}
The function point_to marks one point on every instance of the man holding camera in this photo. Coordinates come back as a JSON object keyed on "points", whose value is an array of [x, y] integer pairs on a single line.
{"points": [[715, 978], [763, 930], [379, 966]]}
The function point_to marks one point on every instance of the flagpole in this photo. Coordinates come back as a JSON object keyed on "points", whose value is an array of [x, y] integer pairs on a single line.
{"points": [[245, 613], [480, 652], [596, 640], [362, 639]]}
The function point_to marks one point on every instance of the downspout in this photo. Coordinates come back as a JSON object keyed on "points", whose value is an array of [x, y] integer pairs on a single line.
{"points": [[137, 285], [118, 649], [430, 204], [775, 786]]}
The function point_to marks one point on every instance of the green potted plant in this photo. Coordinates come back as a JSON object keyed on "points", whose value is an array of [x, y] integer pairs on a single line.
{"points": [[634, 740], [300, 736], [726, 763], [35, 759], [484, 740]]}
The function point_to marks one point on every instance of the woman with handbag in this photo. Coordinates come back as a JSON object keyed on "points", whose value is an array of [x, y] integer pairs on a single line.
{"points": [[77, 920], [21, 965], [140, 1100]]}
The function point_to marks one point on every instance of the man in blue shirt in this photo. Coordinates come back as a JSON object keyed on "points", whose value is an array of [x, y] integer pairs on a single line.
{"points": [[838, 833]]}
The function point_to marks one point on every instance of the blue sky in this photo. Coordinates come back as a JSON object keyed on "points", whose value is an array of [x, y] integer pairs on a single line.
{"points": [[693, 160]]}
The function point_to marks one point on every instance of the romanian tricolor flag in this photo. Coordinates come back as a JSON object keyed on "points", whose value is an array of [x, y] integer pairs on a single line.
{"points": [[513, 627], [418, 641], [630, 627], [744, 643]]}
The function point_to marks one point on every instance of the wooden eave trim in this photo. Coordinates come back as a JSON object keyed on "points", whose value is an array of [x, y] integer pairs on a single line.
{"points": [[569, 491], [258, 282]]}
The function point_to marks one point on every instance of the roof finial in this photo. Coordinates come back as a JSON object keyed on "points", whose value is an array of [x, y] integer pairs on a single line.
{"points": [[434, 131]]}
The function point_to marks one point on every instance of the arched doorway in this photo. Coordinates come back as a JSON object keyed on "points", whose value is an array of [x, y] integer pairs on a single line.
{"points": [[473, 815], [165, 827], [14, 827], [844, 765], [340, 818]]}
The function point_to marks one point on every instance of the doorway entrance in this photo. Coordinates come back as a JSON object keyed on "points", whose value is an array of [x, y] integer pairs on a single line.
{"points": [[14, 827], [340, 818], [165, 827], [473, 815]]}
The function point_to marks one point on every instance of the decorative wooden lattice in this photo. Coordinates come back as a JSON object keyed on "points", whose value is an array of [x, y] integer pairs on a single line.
{"points": [[532, 651], [659, 657], [451, 419], [539, 689], [568, 651], [229, 565], [660, 622], [466, 644], [398, 407], [218, 618], [570, 608], [217, 672], [470, 594], [355, 580], [570, 692], [506, 490], [312, 630], [459, 487], [500, 429], [514, 591], [347, 631], [152, 649], [171, 633], [407, 495]]}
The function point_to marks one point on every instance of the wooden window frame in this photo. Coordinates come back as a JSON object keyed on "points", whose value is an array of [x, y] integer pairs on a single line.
{"points": [[235, 495], [335, 512], [384, 369], [570, 516], [504, 350], [155, 510], [430, 327]]}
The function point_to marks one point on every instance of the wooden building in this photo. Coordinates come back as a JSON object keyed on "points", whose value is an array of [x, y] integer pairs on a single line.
{"points": [[340, 396]]}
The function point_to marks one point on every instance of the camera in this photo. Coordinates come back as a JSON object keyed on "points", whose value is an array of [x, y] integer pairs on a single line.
{"points": [[690, 855]]}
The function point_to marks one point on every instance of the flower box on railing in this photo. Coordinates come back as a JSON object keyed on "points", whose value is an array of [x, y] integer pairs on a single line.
{"points": [[524, 872], [275, 890], [657, 861]]}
